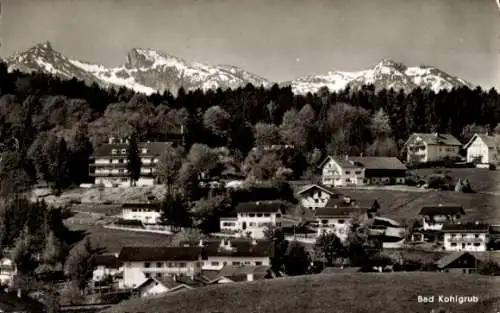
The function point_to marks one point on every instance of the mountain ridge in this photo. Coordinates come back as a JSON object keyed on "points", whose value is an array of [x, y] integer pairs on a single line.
{"points": [[148, 70]]}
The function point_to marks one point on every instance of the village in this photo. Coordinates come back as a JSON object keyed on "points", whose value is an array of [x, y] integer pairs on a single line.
{"points": [[242, 249]]}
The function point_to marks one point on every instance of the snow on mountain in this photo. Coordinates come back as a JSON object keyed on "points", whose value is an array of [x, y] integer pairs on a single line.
{"points": [[149, 70], [386, 74]]}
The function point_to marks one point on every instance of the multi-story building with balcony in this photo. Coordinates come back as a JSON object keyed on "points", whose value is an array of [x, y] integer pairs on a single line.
{"points": [[109, 166], [433, 147], [148, 213], [465, 237]]}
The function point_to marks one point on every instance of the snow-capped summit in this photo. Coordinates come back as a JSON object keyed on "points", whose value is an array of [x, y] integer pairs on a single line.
{"points": [[151, 70], [384, 75]]}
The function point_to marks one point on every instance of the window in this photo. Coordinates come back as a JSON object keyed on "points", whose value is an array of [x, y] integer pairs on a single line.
{"points": [[278, 215], [324, 221], [182, 264], [169, 264], [348, 180], [476, 244], [247, 263], [251, 215], [454, 244], [358, 172], [236, 263], [159, 275], [120, 161], [347, 172], [214, 263], [159, 264], [259, 214], [258, 263], [267, 215], [147, 264], [113, 151], [147, 275], [476, 236], [341, 221], [124, 151]]}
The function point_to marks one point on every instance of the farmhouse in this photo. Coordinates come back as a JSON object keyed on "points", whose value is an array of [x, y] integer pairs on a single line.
{"points": [[315, 196], [465, 237], [458, 262], [7, 271], [483, 149], [356, 171], [148, 213], [106, 265], [141, 263], [431, 147], [109, 166], [253, 217], [334, 220], [434, 217]]}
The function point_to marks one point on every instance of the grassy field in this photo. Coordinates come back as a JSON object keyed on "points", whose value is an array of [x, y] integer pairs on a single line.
{"points": [[336, 293], [480, 179], [113, 240]]}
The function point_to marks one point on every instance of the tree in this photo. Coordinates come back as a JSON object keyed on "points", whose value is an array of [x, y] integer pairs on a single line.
{"points": [[280, 245], [262, 165], [330, 247], [208, 211], [381, 124], [174, 212], [185, 235], [297, 259], [386, 147], [79, 267], [469, 130], [59, 167], [168, 167], [217, 121], [266, 134], [55, 251], [134, 163], [296, 127], [80, 152]]}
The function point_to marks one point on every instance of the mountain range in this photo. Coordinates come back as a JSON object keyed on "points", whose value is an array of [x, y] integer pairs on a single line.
{"points": [[149, 70]]}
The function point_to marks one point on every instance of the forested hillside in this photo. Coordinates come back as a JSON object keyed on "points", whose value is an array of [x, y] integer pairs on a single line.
{"points": [[55, 124]]}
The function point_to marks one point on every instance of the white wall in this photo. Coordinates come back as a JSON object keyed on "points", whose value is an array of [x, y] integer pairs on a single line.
{"points": [[146, 216], [438, 222], [134, 272], [465, 242], [218, 262], [102, 271], [333, 175], [479, 149], [334, 225], [314, 198]]}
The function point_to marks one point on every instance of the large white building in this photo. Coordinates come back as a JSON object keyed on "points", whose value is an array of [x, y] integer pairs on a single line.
{"points": [[109, 166], [431, 147], [106, 265], [252, 218], [483, 149], [358, 171], [141, 263], [147, 213], [465, 237], [315, 196]]}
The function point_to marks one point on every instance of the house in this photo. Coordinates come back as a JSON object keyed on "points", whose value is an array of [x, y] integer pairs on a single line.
{"points": [[7, 271], [335, 220], [164, 284], [434, 217], [358, 171], [240, 273], [17, 302], [106, 265], [109, 163], [235, 252], [190, 259], [253, 218], [315, 196], [483, 149], [465, 237], [459, 262], [148, 213], [431, 147], [141, 263]]}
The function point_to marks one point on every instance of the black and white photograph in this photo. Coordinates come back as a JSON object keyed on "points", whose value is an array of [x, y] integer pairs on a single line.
{"points": [[249, 156]]}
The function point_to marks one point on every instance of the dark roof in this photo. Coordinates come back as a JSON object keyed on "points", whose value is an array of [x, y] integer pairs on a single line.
{"points": [[336, 212], [343, 163], [495, 229], [141, 205], [490, 141], [9, 302], [154, 148], [260, 207], [436, 139], [442, 209], [107, 260], [379, 163], [352, 203], [310, 186], [452, 257], [138, 254], [449, 228]]}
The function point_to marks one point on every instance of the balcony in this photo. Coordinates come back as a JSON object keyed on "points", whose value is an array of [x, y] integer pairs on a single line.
{"points": [[466, 240]]}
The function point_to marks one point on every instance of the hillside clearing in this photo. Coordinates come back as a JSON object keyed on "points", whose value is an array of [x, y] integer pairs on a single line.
{"points": [[349, 292]]}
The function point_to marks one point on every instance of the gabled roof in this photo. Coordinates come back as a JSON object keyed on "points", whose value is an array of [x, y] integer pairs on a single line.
{"points": [[154, 148], [452, 257], [351, 203], [260, 207], [141, 205], [234, 247], [470, 227], [378, 163], [336, 212], [311, 186], [239, 273], [107, 260], [442, 209], [489, 141], [139, 254], [341, 161], [436, 139], [168, 282]]}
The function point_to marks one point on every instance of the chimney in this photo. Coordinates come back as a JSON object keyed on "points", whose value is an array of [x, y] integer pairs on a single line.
{"points": [[228, 245], [222, 242], [254, 242], [201, 243], [19, 293], [250, 277], [361, 154], [257, 203], [476, 222], [346, 157], [440, 205]]}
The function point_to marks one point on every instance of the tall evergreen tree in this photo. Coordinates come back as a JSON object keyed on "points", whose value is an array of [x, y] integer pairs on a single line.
{"points": [[134, 163]]}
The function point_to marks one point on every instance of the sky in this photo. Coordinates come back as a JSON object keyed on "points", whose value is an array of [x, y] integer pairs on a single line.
{"points": [[277, 39]]}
